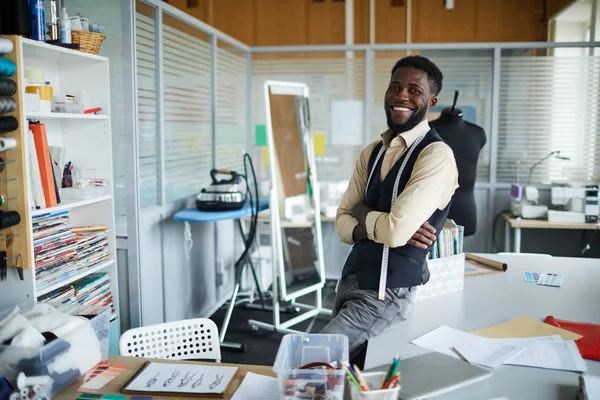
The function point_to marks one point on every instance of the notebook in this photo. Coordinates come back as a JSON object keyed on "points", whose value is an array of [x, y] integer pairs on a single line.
{"points": [[433, 374]]}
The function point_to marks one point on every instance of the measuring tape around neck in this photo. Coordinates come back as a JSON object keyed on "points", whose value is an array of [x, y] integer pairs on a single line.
{"points": [[386, 249]]}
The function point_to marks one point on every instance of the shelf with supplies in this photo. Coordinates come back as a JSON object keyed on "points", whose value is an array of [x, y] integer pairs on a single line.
{"points": [[70, 204], [61, 178], [52, 54], [81, 274], [55, 115]]}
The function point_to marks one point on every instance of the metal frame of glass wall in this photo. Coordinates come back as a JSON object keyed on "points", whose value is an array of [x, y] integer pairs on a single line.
{"points": [[131, 109]]}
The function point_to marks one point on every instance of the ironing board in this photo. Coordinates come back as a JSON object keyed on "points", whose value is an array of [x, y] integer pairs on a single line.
{"points": [[193, 215]]}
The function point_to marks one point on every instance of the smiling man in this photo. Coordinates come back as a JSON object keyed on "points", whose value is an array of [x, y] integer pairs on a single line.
{"points": [[411, 156]]}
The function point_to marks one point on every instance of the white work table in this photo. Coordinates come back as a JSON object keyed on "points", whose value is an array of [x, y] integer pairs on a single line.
{"points": [[490, 299]]}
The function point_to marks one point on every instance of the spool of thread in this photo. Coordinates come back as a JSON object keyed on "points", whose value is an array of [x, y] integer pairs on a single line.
{"points": [[7, 143], [6, 46], [8, 124], [7, 67], [7, 87], [9, 218], [7, 104]]}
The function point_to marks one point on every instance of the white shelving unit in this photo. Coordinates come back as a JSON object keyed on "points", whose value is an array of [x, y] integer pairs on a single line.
{"points": [[87, 140]]}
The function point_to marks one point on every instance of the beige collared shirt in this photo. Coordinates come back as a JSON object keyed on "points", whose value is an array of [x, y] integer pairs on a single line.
{"points": [[431, 185]]}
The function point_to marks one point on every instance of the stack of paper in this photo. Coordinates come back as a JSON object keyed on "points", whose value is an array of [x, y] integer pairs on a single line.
{"points": [[550, 352]]}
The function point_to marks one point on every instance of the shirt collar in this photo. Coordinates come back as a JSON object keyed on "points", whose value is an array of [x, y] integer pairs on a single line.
{"points": [[405, 138]]}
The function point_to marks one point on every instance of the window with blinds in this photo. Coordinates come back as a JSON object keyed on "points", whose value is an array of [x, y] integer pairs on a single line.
{"points": [[108, 15], [231, 130], [469, 72], [148, 139], [328, 79], [187, 108], [549, 103]]}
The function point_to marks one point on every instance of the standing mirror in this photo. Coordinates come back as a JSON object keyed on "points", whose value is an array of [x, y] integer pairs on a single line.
{"points": [[294, 202]]}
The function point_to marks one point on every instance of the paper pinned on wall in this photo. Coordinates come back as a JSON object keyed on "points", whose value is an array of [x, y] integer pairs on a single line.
{"points": [[347, 122], [260, 133], [265, 156], [319, 143]]}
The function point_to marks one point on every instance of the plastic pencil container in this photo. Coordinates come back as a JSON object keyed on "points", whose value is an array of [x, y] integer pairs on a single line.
{"points": [[374, 380], [301, 350]]}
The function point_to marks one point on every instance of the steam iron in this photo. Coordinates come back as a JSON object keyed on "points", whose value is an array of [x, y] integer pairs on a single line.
{"points": [[223, 195]]}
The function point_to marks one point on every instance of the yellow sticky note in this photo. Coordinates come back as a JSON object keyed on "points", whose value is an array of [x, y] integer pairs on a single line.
{"points": [[319, 143], [265, 156]]}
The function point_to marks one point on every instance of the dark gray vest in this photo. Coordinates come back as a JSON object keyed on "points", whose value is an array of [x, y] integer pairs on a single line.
{"points": [[406, 264]]}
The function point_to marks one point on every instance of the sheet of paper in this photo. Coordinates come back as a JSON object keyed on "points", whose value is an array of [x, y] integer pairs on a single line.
{"points": [[257, 387], [523, 327], [476, 349], [443, 339], [548, 279], [347, 122], [182, 378], [551, 355], [591, 386], [488, 352]]}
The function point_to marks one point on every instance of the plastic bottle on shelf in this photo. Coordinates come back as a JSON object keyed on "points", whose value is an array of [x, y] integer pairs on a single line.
{"points": [[65, 27], [38, 20]]}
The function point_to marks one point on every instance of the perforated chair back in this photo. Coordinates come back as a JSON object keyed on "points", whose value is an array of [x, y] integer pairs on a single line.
{"points": [[196, 338]]}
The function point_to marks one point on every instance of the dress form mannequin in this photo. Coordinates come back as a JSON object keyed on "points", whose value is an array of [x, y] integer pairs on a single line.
{"points": [[466, 140]]}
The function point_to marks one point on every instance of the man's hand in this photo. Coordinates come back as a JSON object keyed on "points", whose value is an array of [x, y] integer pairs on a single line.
{"points": [[359, 233], [360, 211], [423, 237]]}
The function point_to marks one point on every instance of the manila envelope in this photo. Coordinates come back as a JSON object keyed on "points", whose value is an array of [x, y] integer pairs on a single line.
{"points": [[524, 327]]}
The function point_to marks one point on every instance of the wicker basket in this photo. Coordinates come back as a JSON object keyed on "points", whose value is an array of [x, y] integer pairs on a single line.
{"points": [[89, 42]]}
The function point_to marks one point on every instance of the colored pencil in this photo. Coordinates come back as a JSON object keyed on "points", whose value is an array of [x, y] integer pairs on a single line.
{"points": [[361, 380], [388, 374], [351, 376]]}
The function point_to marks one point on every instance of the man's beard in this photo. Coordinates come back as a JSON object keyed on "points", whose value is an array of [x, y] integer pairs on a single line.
{"points": [[413, 121]]}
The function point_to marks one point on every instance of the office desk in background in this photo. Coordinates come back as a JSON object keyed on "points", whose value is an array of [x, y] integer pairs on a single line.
{"points": [[114, 387], [518, 223], [490, 299]]}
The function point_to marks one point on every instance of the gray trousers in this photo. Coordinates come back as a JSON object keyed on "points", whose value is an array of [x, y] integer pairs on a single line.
{"points": [[360, 315]]}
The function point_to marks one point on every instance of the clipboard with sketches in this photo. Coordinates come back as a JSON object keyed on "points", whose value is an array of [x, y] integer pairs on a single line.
{"points": [[188, 380], [477, 265]]}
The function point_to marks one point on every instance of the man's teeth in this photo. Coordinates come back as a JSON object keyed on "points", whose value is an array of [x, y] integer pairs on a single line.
{"points": [[396, 108]]}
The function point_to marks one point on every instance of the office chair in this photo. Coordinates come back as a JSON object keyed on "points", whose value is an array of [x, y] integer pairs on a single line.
{"points": [[196, 338]]}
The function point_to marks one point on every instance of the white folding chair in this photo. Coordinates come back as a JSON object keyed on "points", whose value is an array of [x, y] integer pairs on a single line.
{"points": [[196, 338]]}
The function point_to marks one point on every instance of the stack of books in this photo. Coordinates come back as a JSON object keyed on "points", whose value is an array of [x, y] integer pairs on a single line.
{"points": [[449, 241], [94, 290], [60, 253], [64, 295]]}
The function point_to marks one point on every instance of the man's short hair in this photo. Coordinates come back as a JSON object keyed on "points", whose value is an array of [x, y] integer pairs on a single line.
{"points": [[424, 64]]}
